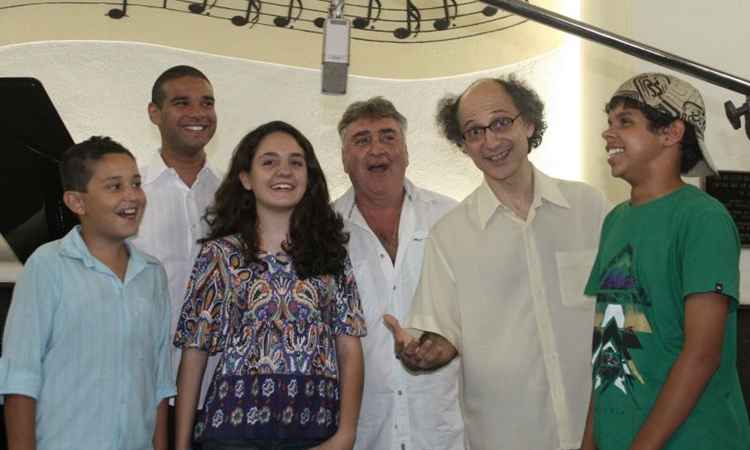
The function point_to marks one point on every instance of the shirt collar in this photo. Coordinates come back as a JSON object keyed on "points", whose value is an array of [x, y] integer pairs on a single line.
{"points": [[156, 168], [545, 189], [411, 193], [348, 203], [73, 246]]}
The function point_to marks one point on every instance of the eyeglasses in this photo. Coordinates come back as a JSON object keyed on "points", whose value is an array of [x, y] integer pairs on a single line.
{"points": [[476, 134]]}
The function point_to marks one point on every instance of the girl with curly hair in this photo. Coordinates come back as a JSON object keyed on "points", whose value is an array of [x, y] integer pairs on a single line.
{"points": [[273, 293]]}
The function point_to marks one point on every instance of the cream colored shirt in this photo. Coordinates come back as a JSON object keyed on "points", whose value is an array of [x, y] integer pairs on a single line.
{"points": [[170, 229], [508, 293], [400, 410]]}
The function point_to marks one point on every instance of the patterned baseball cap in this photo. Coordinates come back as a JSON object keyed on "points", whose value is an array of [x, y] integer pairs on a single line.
{"points": [[676, 98]]}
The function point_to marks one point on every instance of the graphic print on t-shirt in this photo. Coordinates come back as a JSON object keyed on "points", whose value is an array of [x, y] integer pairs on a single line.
{"points": [[620, 305]]}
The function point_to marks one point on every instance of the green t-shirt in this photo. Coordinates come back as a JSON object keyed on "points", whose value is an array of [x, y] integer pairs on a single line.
{"points": [[651, 257]]}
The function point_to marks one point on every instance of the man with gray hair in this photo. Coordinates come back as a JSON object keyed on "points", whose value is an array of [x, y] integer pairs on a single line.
{"points": [[388, 219]]}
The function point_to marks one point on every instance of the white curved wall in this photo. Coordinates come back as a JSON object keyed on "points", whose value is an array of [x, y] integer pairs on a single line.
{"points": [[104, 87]]}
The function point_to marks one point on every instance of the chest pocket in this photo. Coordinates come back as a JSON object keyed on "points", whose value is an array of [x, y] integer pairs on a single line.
{"points": [[412, 262], [143, 313], [573, 269], [367, 279]]}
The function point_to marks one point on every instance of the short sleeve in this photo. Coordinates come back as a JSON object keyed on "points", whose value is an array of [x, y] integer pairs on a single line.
{"points": [[165, 373], [201, 323], [28, 328], [592, 285], [435, 306], [710, 254], [349, 319]]}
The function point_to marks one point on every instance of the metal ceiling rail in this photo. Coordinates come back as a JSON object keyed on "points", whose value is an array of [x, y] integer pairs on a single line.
{"points": [[639, 50]]}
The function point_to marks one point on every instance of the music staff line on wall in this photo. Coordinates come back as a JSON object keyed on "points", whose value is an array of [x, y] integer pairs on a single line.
{"points": [[371, 22]]}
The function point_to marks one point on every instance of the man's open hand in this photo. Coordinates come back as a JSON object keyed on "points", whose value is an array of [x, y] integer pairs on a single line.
{"points": [[431, 351]]}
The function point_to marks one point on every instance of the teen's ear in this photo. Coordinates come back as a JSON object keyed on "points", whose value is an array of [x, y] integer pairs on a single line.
{"points": [[674, 132], [74, 201], [245, 181]]}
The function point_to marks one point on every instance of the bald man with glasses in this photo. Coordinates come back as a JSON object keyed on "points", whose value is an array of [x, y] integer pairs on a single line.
{"points": [[503, 276]]}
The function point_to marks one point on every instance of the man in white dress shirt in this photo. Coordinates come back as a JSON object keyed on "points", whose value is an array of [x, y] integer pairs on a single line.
{"points": [[178, 181], [388, 219]]}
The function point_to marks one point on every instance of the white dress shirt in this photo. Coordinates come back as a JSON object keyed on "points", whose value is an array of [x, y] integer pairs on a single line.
{"points": [[400, 411], [170, 229], [508, 293]]}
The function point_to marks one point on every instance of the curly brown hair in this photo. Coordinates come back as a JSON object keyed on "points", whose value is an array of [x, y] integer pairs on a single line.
{"points": [[317, 241], [524, 98]]}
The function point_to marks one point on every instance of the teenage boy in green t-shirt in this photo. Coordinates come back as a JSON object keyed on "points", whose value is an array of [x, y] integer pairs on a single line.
{"points": [[666, 282]]}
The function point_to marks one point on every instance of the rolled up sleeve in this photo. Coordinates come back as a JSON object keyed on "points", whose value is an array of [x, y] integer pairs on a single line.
{"points": [[27, 330], [165, 373]]}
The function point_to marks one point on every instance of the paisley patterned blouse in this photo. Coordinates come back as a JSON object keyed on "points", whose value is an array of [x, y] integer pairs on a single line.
{"points": [[277, 376]]}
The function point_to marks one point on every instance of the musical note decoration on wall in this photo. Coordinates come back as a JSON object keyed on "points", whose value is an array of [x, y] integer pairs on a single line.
{"points": [[200, 8], [412, 13], [283, 21], [244, 20], [361, 23], [119, 13], [388, 21], [444, 22]]}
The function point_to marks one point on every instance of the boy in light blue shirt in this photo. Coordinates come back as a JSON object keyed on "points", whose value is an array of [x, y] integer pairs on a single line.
{"points": [[86, 360]]}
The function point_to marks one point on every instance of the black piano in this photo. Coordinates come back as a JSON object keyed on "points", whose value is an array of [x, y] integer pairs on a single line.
{"points": [[34, 137]]}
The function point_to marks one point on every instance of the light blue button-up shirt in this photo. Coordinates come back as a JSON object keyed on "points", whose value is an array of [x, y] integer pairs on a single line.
{"points": [[93, 350]]}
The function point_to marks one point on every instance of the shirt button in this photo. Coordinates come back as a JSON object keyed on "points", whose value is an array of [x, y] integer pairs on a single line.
{"points": [[382, 256], [399, 392], [394, 287]]}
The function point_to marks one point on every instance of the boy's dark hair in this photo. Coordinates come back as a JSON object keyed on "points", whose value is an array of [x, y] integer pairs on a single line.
{"points": [[373, 108], [690, 153], [75, 166], [316, 232], [524, 98], [157, 91]]}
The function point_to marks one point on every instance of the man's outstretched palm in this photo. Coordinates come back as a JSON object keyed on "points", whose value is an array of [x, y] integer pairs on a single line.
{"points": [[428, 352]]}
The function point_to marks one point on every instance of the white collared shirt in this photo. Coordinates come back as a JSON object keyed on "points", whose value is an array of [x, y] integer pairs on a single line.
{"points": [[400, 411], [171, 226], [508, 293]]}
